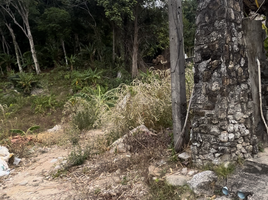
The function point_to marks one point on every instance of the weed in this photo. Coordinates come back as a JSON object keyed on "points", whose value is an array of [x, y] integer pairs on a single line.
{"points": [[42, 103], [124, 181], [97, 191], [78, 156], [160, 190], [240, 160], [223, 171], [60, 173], [21, 132], [260, 147]]}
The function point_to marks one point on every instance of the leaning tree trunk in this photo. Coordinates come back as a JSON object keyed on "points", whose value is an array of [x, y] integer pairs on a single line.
{"points": [[177, 64], [135, 48], [16, 46], [64, 51], [31, 41]]}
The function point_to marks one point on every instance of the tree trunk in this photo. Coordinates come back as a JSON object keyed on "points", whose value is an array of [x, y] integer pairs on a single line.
{"points": [[113, 43], [16, 46], [64, 52], [177, 64], [4, 43], [31, 41], [135, 48]]}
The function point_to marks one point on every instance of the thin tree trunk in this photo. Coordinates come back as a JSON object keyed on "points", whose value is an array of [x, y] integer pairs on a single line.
{"points": [[135, 48], [16, 46], [34, 56], [4, 43], [64, 51], [177, 64], [113, 43]]}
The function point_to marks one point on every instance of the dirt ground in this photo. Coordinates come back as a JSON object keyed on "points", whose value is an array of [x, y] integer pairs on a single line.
{"points": [[105, 176]]}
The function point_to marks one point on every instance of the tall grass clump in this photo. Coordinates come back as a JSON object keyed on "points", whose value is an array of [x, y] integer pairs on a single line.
{"points": [[84, 109], [146, 101]]}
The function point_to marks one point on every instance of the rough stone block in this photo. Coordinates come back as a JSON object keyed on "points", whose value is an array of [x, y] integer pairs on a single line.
{"points": [[223, 136]]}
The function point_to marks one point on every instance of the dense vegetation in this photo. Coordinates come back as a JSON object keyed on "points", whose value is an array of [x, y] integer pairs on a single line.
{"points": [[81, 52]]}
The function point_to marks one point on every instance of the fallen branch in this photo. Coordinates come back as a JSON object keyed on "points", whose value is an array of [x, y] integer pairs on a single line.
{"points": [[186, 119]]}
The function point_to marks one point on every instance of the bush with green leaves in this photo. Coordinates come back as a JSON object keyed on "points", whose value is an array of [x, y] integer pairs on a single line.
{"points": [[41, 104], [78, 156], [84, 108], [24, 82], [85, 78]]}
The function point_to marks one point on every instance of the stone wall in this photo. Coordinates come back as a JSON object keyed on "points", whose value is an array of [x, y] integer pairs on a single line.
{"points": [[222, 127]]}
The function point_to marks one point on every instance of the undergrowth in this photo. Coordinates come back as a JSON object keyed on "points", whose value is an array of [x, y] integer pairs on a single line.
{"points": [[160, 190]]}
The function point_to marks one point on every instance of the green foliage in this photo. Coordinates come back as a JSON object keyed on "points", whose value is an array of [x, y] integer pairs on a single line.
{"points": [[189, 11], [6, 60], [160, 190], [24, 81], [55, 21], [223, 171], [85, 119], [116, 9], [42, 103], [78, 156], [21, 132], [85, 78]]}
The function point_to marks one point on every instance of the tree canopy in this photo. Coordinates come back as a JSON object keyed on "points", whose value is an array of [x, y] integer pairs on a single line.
{"points": [[43, 34]]}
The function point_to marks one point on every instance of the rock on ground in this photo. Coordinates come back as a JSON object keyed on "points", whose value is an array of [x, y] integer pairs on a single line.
{"points": [[202, 183]]}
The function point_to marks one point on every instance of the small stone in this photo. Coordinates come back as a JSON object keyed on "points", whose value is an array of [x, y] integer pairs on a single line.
{"points": [[184, 171], [212, 150], [239, 146], [240, 140], [185, 155], [231, 137], [191, 173], [225, 157], [155, 171], [247, 156], [231, 128], [243, 150], [217, 155], [224, 136], [177, 180], [238, 116], [237, 135], [54, 160], [249, 148], [215, 131], [23, 183], [246, 132]]}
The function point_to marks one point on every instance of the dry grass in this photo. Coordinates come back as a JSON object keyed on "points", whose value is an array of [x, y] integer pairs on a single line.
{"points": [[144, 102]]}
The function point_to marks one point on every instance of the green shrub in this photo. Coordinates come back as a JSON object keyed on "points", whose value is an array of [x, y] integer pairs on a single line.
{"points": [[42, 103], [85, 119], [78, 156], [24, 81], [160, 190]]}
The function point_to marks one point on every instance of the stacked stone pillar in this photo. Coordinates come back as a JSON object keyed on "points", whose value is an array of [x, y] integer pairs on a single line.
{"points": [[222, 127]]}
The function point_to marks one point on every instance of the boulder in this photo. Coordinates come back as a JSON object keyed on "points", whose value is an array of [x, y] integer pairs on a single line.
{"points": [[203, 182]]}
